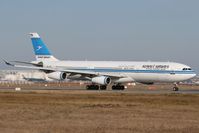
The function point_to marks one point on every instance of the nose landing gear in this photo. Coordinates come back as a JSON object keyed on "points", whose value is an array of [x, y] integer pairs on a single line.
{"points": [[175, 88]]}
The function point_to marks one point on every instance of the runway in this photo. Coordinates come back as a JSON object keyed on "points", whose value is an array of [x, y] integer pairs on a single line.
{"points": [[138, 89]]}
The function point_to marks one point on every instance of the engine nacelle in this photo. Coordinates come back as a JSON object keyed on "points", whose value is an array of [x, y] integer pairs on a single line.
{"points": [[102, 80], [57, 75]]}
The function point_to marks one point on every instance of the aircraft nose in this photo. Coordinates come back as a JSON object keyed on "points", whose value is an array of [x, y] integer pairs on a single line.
{"points": [[194, 75]]}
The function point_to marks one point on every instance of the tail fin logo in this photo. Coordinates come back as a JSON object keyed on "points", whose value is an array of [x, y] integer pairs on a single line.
{"points": [[38, 48]]}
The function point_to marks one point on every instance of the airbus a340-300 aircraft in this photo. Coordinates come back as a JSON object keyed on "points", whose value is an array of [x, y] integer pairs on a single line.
{"points": [[103, 73]]}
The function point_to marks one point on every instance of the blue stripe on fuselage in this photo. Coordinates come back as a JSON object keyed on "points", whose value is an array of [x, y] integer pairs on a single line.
{"points": [[138, 71]]}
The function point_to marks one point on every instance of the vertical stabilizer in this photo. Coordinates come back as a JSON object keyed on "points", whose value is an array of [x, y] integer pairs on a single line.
{"points": [[41, 51]]}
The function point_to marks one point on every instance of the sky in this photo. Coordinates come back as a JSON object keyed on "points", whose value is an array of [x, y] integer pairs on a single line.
{"points": [[116, 30]]}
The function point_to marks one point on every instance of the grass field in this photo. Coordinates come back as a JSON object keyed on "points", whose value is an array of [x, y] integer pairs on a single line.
{"points": [[97, 112]]}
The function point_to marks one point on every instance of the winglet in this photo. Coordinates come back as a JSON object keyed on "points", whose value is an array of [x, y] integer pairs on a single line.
{"points": [[8, 63]]}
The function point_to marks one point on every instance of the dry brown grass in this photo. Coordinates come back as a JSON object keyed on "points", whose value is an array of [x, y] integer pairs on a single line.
{"points": [[83, 112]]}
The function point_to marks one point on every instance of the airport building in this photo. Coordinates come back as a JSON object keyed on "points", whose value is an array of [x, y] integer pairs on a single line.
{"points": [[22, 75], [30, 76]]}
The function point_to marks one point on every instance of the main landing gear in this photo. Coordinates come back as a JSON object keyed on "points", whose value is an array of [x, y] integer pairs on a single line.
{"points": [[96, 87], [118, 87], [175, 88], [104, 87]]}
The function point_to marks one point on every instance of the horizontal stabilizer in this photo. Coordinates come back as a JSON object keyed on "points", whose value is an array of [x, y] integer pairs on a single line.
{"points": [[29, 63], [8, 63]]}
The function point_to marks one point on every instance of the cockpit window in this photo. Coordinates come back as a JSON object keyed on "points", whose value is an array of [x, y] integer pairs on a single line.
{"points": [[186, 69]]}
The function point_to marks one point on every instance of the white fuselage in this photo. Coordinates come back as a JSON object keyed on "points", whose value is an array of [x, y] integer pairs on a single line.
{"points": [[144, 72]]}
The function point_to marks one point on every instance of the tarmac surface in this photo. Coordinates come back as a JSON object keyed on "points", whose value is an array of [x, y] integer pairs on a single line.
{"points": [[138, 89]]}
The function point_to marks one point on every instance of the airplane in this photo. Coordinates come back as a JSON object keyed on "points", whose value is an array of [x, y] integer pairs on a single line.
{"points": [[103, 73]]}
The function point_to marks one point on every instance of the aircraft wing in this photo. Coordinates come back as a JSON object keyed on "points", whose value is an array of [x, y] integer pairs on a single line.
{"points": [[71, 71]]}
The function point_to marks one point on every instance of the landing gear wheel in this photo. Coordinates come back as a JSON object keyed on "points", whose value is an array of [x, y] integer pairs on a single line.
{"points": [[114, 87], [102, 87], [175, 88], [92, 87], [118, 87]]}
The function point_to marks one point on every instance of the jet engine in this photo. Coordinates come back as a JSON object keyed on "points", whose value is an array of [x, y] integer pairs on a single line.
{"points": [[57, 75], [102, 80]]}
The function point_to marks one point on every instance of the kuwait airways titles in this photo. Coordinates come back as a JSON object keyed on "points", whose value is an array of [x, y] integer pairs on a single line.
{"points": [[156, 67]]}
